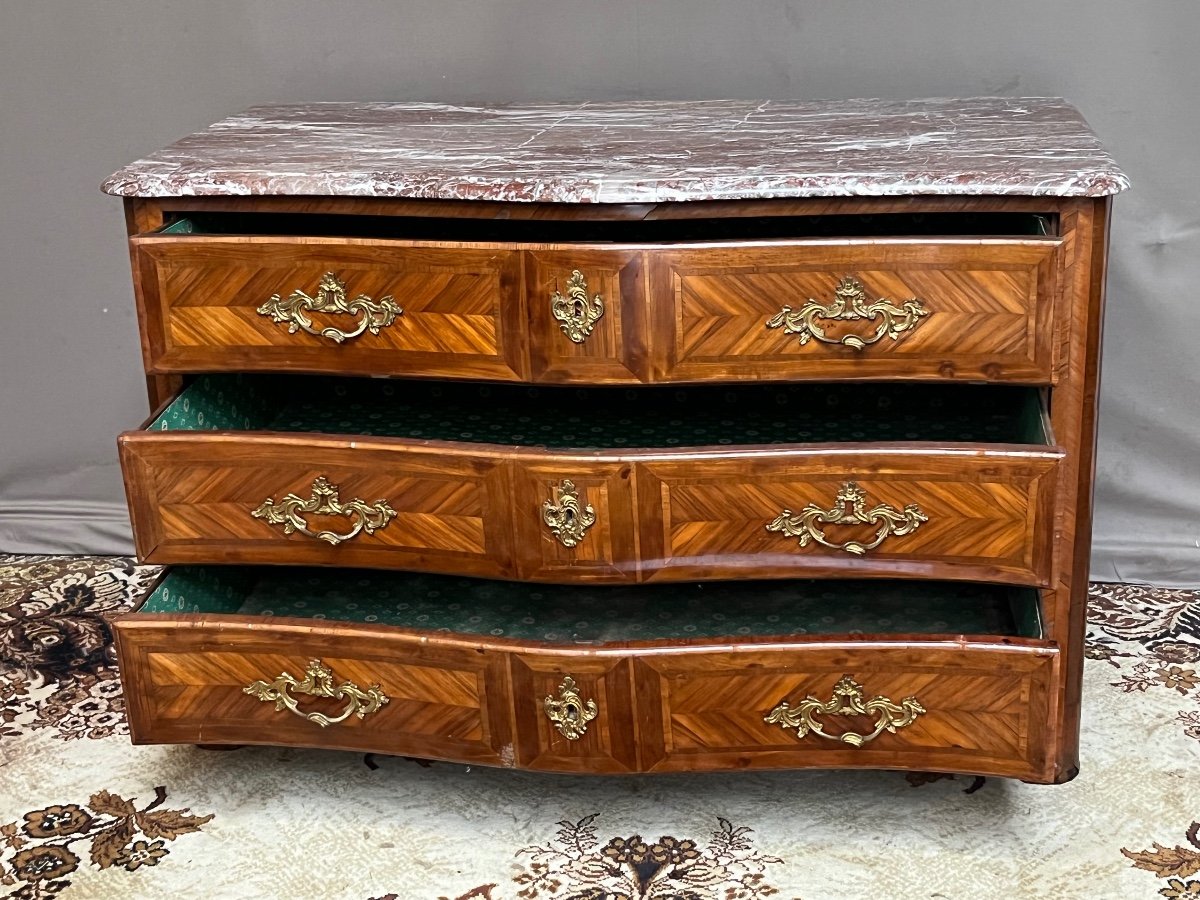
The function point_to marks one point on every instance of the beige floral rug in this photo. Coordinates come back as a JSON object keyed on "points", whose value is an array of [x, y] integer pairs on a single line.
{"points": [[83, 814]]}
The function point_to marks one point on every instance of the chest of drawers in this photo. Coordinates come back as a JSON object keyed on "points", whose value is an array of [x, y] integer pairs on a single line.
{"points": [[620, 437]]}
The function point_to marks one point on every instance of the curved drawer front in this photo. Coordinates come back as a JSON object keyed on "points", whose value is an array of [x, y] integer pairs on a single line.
{"points": [[244, 681], [219, 303], [488, 481], [934, 309], [262, 498], [955, 309], [601, 680], [973, 708], [317, 501], [983, 515]]}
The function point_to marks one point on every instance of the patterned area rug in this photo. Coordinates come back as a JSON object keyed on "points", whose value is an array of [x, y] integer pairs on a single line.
{"points": [[84, 814]]}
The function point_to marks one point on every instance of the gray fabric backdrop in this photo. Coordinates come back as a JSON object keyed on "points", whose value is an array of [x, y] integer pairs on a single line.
{"points": [[85, 88]]}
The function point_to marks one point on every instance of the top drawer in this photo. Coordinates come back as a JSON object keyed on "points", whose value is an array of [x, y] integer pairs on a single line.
{"points": [[599, 311]]}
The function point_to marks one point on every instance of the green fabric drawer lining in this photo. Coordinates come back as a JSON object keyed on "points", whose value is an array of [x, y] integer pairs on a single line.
{"points": [[602, 614], [609, 418]]}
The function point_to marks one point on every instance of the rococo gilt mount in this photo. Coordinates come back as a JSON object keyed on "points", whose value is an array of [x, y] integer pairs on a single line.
{"points": [[620, 437]]}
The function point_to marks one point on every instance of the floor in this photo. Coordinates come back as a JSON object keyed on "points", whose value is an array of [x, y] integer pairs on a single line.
{"points": [[84, 814]]}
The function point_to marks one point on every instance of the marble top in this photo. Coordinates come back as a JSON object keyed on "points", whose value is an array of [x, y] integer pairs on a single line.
{"points": [[637, 152]]}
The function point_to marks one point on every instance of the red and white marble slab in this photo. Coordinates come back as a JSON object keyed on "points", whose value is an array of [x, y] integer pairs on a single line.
{"points": [[637, 152]]}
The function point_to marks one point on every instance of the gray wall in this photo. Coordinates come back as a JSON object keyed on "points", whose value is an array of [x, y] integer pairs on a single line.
{"points": [[87, 87]]}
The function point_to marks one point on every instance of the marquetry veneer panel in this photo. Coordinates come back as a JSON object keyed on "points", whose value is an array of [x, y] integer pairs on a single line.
{"points": [[989, 305], [985, 707], [478, 509], [657, 708], [193, 495], [672, 313], [200, 294], [705, 517], [184, 683]]}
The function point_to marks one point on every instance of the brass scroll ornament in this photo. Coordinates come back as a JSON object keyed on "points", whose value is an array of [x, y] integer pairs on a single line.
{"points": [[577, 316], [331, 298], [568, 711], [850, 302], [324, 502], [850, 509], [317, 682], [567, 520], [847, 701]]}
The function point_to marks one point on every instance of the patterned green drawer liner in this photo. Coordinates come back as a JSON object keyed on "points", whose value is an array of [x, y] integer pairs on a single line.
{"points": [[599, 614], [612, 418]]}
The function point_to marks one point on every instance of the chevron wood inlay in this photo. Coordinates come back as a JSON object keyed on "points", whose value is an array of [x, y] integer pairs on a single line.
{"points": [[202, 295], [982, 520], [452, 512], [441, 702], [977, 704], [988, 302], [475, 510]]}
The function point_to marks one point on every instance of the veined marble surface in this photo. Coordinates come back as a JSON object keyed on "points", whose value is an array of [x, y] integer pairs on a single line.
{"points": [[637, 152]]}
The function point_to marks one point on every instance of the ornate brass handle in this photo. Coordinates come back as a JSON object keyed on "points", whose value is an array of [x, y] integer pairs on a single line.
{"points": [[850, 302], [850, 509], [567, 520], [324, 502], [331, 298], [318, 682], [847, 701], [577, 316], [569, 712]]}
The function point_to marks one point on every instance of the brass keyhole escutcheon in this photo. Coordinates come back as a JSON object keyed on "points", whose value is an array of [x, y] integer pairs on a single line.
{"points": [[566, 518], [568, 711], [575, 313]]}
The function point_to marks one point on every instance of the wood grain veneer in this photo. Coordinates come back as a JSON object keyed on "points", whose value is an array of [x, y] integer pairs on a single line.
{"points": [[659, 708], [672, 313], [476, 509]]}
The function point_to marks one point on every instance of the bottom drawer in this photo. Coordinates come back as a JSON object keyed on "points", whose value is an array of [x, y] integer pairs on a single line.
{"points": [[782, 674]]}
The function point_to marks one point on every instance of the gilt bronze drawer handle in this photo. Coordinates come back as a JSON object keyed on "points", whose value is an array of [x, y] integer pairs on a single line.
{"points": [[577, 316], [569, 712], [318, 682], [324, 502], [567, 520], [850, 302], [331, 298], [850, 509], [847, 701]]}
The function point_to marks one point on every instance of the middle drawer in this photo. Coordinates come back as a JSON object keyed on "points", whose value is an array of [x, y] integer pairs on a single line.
{"points": [[601, 485]]}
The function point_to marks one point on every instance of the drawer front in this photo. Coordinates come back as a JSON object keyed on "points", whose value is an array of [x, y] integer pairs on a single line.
{"points": [[573, 520], [978, 515], [269, 304], [936, 309], [979, 709], [587, 316], [574, 713], [186, 680], [200, 497]]}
